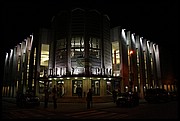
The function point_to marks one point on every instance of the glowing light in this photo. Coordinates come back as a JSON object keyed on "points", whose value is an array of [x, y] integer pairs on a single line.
{"points": [[133, 39], [131, 52], [108, 82], [41, 82], [11, 54], [124, 35], [6, 55]]}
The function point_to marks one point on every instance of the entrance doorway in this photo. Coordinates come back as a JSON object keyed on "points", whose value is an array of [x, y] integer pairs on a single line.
{"points": [[77, 88], [60, 88]]}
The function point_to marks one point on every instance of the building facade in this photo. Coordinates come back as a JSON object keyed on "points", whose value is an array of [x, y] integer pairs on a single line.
{"points": [[80, 51]]}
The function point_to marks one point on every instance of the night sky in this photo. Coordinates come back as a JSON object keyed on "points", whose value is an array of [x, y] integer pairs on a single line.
{"points": [[157, 22]]}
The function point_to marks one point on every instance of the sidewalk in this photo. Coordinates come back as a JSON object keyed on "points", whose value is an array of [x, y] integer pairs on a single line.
{"points": [[72, 106], [74, 100]]}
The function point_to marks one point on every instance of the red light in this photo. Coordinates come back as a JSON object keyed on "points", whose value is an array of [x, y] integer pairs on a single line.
{"points": [[131, 52]]}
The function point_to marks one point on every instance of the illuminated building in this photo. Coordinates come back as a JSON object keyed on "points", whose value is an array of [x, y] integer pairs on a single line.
{"points": [[80, 50]]}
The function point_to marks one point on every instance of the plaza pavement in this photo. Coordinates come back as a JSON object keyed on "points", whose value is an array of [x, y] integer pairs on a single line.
{"points": [[67, 104]]}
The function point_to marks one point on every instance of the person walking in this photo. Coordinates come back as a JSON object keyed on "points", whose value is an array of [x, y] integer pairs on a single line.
{"points": [[46, 97], [114, 95], [54, 92], [79, 92], [89, 99]]}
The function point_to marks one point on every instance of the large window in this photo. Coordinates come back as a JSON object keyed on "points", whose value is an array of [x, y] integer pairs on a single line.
{"points": [[77, 42], [94, 54], [95, 86], [77, 47], [76, 85], [94, 51], [44, 59], [44, 55], [116, 58], [77, 55], [60, 88], [61, 52], [94, 43]]}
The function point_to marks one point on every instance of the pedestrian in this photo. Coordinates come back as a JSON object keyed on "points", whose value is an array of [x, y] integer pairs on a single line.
{"points": [[46, 97], [79, 92], [60, 91], [54, 92], [114, 95], [89, 99]]}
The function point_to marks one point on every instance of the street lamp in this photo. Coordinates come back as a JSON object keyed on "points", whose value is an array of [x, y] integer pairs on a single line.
{"points": [[131, 70]]}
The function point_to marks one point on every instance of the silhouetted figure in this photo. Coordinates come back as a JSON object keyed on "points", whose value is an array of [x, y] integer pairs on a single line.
{"points": [[119, 91], [79, 92], [54, 92], [114, 95], [89, 99], [60, 91], [46, 97]]}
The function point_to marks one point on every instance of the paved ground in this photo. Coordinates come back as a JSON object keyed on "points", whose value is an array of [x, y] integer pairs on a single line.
{"points": [[67, 105]]}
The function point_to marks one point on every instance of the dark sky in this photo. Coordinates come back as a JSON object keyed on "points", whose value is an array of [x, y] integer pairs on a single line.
{"points": [[157, 22]]}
